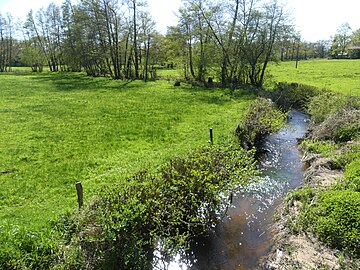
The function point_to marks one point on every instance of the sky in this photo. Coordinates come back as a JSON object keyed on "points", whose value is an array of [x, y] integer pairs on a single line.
{"points": [[314, 19]]}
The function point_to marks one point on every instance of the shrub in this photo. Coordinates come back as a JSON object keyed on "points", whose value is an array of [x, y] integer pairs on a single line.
{"points": [[26, 249], [196, 187], [164, 209], [293, 95], [322, 106], [352, 175], [335, 218], [261, 119], [304, 195], [325, 148], [340, 126]]}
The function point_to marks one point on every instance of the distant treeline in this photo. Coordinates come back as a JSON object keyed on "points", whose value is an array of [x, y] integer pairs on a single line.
{"points": [[232, 42]]}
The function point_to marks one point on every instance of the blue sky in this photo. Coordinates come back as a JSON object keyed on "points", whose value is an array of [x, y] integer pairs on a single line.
{"points": [[315, 19]]}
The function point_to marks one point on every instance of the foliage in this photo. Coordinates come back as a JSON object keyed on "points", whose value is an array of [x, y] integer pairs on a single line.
{"points": [[335, 218], [261, 119], [233, 41], [342, 39], [325, 148], [200, 183], [335, 116], [7, 43], [322, 106], [304, 195], [352, 174], [27, 249], [32, 56], [341, 126], [183, 199], [293, 95], [243, 34], [332, 213]]}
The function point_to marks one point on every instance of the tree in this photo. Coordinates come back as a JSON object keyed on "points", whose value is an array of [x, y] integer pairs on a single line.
{"points": [[46, 29], [355, 37], [246, 33], [354, 48], [341, 41], [195, 38], [31, 55], [72, 48], [147, 35], [6, 43]]}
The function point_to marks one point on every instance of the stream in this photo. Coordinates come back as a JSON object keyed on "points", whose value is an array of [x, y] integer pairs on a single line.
{"points": [[244, 235]]}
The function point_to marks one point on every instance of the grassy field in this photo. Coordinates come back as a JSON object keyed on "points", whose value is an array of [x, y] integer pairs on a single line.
{"points": [[58, 129], [337, 75]]}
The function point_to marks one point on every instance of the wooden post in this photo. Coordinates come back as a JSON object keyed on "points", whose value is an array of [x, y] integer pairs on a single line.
{"points": [[297, 55], [80, 196], [211, 136]]}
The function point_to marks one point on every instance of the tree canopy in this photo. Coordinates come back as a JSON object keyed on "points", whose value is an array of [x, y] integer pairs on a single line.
{"points": [[231, 41]]}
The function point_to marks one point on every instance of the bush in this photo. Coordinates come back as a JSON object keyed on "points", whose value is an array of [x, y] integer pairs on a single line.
{"points": [[325, 148], [329, 103], [196, 187], [340, 126], [352, 175], [26, 249], [164, 209], [304, 195], [335, 218], [293, 95], [261, 119]]}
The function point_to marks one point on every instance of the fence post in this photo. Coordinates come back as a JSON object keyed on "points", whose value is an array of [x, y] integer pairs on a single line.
{"points": [[211, 136], [80, 196]]}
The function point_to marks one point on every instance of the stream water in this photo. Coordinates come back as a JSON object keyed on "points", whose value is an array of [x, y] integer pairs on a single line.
{"points": [[244, 236]]}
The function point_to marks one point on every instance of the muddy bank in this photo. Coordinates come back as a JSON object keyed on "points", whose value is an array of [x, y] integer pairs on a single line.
{"points": [[302, 250]]}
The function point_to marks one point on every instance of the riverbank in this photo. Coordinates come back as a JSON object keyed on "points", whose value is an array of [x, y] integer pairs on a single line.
{"points": [[317, 225], [303, 250]]}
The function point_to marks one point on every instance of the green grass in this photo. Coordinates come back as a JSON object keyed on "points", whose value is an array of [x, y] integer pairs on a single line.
{"points": [[336, 75], [58, 129]]}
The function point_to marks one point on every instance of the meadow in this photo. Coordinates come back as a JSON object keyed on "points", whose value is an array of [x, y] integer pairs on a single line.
{"points": [[336, 75], [62, 128], [58, 129]]}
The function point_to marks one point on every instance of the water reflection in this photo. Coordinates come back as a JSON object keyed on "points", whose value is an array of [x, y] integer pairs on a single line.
{"points": [[243, 237]]}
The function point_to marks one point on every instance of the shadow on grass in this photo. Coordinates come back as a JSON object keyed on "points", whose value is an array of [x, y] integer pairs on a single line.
{"points": [[69, 82], [73, 82]]}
